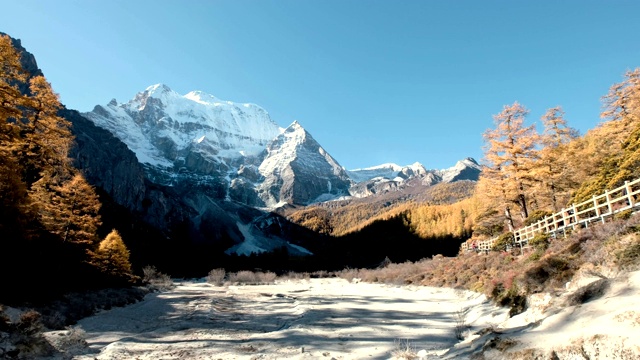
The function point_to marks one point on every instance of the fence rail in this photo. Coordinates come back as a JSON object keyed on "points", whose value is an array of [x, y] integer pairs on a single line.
{"points": [[596, 209]]}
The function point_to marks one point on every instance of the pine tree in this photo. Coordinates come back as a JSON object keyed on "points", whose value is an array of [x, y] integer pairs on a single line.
{"points": [[47, 136], [628, 165], [11, 74]]}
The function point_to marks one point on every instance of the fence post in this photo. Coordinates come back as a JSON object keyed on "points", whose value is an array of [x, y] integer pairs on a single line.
{"points": [[630, 198], [609, 207], [595, 205]]}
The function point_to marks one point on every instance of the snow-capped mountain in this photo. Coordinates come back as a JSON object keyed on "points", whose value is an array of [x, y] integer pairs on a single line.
{"points": [[233, 150], [388, 171], [163, 127], [467, 169], [236, 152], [298, 168], [392, 177]]}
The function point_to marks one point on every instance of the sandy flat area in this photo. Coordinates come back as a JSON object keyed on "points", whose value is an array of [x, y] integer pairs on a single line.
{"points": [[299, 319]]}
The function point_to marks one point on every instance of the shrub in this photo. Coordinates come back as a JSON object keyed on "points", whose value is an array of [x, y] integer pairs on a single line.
{"points": [[589, 292], [623, 215], [216, 277], [505, 240], [536, 216], [243, 277], [267, 277], [252, 278], [349, 274], [404, 351], [540, 241], [27, 336], [548, 271], [292, 275], [461, 324], [629, 256], [536, 255], [155, 279], [29, 323]]}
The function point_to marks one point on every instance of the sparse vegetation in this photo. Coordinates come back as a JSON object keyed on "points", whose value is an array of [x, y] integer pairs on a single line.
{"points": [[508, 278], [216, 277], [461, 324], [404, 350], [252, 278], [156, 280]]}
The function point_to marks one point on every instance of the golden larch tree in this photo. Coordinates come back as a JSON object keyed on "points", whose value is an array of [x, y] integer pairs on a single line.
{"points": [[510, 152], [112, 257], [552, 171], [68, 209], [609, 150]]}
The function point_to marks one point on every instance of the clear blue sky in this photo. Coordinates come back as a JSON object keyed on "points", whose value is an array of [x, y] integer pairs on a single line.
{"points": [[372, 81]]}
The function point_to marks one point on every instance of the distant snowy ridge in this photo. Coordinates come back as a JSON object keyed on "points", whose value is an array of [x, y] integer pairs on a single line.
{"points": [[467, 168], [387, 178], [388, 171]]}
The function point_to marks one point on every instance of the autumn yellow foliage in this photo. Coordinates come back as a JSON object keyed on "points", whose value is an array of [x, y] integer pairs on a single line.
{"points": [[112, 256]]}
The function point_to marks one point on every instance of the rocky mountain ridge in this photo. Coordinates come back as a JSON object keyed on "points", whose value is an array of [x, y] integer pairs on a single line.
{"points": [[238, 153]]}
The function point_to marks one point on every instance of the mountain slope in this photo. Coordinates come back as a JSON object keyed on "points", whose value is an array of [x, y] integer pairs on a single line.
{"points": [[298, 170]]}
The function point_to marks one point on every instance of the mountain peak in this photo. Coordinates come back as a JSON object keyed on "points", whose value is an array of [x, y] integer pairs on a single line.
{"points": [[470, 160], [158, 88], [203, 98], [295, 125]]}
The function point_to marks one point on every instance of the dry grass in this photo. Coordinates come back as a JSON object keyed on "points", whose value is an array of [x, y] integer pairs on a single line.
{"points": [[461, 324], [404, 351]]}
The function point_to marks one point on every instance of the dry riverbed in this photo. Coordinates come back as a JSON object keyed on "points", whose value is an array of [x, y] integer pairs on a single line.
{"points": [[298, 319]]}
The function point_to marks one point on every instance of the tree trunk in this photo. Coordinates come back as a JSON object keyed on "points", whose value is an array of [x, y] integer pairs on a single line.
{"points": [[508, 218]]}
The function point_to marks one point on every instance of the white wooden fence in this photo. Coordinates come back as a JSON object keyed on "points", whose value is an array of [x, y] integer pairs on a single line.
{"points": [[597, 209]]}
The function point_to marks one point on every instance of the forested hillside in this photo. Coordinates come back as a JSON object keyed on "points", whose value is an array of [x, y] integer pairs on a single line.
{"points": [[50, 214], [529, 174], [339, 218]]}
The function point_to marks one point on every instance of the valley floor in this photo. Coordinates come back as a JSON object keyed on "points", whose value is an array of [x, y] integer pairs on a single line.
{"points": [[335, 319], [301, 319]]}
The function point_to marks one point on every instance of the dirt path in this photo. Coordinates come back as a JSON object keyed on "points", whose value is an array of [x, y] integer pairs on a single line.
{"points": [[308, 319]]}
